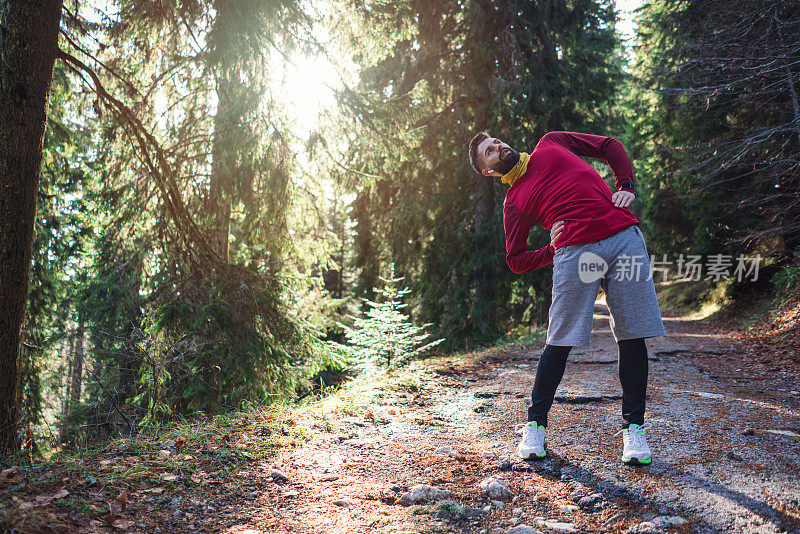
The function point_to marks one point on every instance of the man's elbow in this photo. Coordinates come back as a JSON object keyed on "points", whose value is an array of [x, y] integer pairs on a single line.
{"points": [[515, 265], [615, 145]]}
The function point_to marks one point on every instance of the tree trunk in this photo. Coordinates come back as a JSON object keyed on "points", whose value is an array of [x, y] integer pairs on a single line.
{"points": [[70, 371], [484, 309], [131, 358], [63, 435], [222, 175], [485, 305], [28, 44], [790, 79], [366, 254], [77, 366], [219, 205]]}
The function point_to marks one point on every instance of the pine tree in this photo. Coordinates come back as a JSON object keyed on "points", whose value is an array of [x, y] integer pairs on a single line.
{"points": [[385, 335], [719, 118], [28, 46], [192, 223], [432, 74]]}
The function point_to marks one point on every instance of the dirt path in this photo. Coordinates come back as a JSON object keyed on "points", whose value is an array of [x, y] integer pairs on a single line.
{"points": [[725, 441]]}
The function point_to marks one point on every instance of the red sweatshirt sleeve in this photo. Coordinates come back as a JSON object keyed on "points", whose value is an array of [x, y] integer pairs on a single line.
{"points": [[518, 257], [608, 149]]}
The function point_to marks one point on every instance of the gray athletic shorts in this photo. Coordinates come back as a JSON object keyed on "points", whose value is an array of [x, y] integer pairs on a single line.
{"points": [[620, 264]]}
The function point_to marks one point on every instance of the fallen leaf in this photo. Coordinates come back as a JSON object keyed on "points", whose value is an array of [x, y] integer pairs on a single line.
{"points": [[169, 477], [164, 453], [60, 494], [119, 504], [168, 443], [391, 412], [180, 441], [122, 523], [105, 464], [10, 475], [248, 455], [43, 500], [154, 490]]}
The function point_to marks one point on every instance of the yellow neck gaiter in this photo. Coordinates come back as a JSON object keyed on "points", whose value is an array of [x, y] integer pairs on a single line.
{"points": [[519, 169]]}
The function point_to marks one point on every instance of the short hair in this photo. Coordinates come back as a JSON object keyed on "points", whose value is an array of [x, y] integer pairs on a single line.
{"points": [[473, 150]]}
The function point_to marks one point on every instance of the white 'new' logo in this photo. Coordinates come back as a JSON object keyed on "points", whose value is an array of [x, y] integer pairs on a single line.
{"points": [[591, 267]]}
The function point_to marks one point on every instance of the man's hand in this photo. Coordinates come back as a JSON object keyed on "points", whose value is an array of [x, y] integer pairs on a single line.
{"points": [[622, 199], [555, 231]]}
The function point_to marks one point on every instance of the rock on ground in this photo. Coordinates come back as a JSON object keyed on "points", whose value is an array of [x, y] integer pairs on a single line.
{"points": [[668, 521], [657, 524], [495, 489], [523, 529], [422, 493], [558, 526]]}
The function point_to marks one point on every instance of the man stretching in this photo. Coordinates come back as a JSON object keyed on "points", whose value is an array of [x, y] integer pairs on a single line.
{"points": [[595, 239]]}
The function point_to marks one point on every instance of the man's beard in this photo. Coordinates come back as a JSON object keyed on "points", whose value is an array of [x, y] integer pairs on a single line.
{"points": [[506, 164]]}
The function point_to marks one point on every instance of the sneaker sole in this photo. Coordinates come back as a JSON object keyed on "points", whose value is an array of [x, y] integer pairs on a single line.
{"points": [[534, 456], [636, 461]]}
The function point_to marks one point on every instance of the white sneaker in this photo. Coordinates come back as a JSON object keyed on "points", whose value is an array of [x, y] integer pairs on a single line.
{"points": [[635, 450], [532, 444]]}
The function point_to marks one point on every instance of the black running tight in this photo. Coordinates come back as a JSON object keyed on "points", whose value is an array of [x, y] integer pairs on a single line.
{"points": [[632, 375]]}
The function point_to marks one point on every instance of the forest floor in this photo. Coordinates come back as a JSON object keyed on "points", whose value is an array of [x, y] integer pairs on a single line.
{"points": [[725, 439]]}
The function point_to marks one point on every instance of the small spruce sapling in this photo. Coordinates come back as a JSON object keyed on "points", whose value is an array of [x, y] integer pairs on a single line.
{"points": [[384, 333]]}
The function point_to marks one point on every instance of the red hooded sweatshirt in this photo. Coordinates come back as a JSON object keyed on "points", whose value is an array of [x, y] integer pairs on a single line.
{"points": [[559, 185]]}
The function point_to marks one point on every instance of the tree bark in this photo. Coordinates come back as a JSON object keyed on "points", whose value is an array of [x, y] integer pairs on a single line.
{"points": [[367, 254], [131, 358], [485, 305], [28, 45], [219, 205], [484, 309], [226, 133], [790, 78], [70, 371], [64, 434], [77, 366]]}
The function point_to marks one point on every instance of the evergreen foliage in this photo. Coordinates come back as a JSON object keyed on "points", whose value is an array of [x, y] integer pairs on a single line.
{"points": [[192, 235], [60, 242], [193, 246], [717, 121], [431, 75], [384, 335]]}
